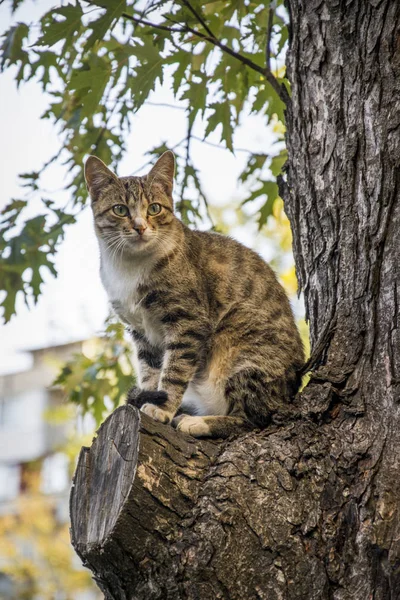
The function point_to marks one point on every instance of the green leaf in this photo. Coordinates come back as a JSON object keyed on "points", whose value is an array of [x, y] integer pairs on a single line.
{"points": [[11, 48], [15, 4], [275, 104], [46, 63], [108, 372], [255, 163], [8, 304], [260, 101], [90, 82], [15, 206], [266, 211], [66, 28], [114, 9], [270, 190], [278, 162], [148, 70], [181, 60], [196, 94], [188, 210], [221, 116], [29, 251], [31, 179]]}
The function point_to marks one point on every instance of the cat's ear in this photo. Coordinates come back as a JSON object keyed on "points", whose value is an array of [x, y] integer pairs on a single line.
{"points": [[97, 176], [163, 171]]}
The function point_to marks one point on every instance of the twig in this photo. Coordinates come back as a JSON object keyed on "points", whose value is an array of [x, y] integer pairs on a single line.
{"points": [[269, 34], [165, 105], [199, 18], [187, 162], [153, 25], [280, 89], [218, 146], [188, 138], [266, 72], [149, 162]]}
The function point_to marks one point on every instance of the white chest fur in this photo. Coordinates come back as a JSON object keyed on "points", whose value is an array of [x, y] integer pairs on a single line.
{"points": [[121, 280]]}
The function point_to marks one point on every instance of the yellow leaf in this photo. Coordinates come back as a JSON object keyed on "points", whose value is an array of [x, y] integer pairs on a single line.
{"points": [[289, 281], [280, 72], [277, 126]]}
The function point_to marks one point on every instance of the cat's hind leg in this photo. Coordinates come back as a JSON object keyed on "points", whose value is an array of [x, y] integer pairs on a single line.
{"points": [[257, 395], [252, 397]]}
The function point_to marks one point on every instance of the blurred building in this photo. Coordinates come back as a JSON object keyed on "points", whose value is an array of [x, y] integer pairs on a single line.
{"points": [[29, 436], [25, 433]]}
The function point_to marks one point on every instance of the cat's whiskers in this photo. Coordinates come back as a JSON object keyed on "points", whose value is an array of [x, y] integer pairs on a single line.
{"points": [[112, 243], [111, 246], [114, 254], [111, 238], [121, 248]]}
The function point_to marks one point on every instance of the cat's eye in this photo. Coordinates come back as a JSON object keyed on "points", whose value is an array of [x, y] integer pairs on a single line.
{"points": [[121, 210], [154, 209]]}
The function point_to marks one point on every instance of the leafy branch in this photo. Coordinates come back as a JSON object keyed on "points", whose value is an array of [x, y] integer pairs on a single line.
{"points": [[280, 89]]}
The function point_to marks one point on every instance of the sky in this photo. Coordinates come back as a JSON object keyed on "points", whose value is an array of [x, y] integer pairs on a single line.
{"points": [[74, 305]]}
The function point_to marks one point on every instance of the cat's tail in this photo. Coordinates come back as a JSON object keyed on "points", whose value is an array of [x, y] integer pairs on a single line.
{"points": [[254, 393]]}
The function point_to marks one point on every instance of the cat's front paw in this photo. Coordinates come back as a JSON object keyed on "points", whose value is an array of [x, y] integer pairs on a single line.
{"points": [[158, 414], [195, 426], [137, 397], [133, 397]]}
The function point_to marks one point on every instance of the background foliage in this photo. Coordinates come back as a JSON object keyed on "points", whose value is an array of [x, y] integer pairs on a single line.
{"points": [[100, 61], [36, 551]]}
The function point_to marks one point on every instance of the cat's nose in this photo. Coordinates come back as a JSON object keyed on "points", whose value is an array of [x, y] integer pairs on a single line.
{"points": [[139, 225]]}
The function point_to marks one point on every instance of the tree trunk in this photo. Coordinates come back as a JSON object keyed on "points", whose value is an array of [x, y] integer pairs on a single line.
{"points": [[309, 508], [342, 199]]}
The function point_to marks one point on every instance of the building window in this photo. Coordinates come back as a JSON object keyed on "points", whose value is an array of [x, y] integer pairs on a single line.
{"points": [[55, 477], [10, 476]]}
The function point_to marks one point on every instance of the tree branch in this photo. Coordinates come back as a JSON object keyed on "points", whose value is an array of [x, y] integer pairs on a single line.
{"points": [[269, 34], [140, 21], [151, 161], [199, 18], [188, 139], [279, 88]]}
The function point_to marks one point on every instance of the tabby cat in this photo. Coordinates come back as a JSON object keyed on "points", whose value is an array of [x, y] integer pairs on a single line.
{"points": [[213, 329]]}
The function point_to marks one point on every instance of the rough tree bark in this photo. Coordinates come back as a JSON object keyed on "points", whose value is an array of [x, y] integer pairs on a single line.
{"points": [[308, 508]]}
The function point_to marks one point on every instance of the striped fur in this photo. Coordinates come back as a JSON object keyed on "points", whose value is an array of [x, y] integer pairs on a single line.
{"points": [[212, 327]]}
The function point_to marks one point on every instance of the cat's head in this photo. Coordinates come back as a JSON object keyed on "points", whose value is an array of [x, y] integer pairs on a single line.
{"points": [[132, 215]]}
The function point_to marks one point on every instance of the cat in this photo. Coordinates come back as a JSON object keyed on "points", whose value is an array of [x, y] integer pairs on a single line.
{"points": [[217, 348]]}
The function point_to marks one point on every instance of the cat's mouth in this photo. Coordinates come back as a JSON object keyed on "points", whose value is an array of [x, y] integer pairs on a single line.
{"points": [[140, 240], [130, 244]]}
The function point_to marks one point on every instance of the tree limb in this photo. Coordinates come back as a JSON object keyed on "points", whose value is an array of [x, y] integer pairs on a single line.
{"points": [[269, 34], [265, 71], [199, 18]]}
